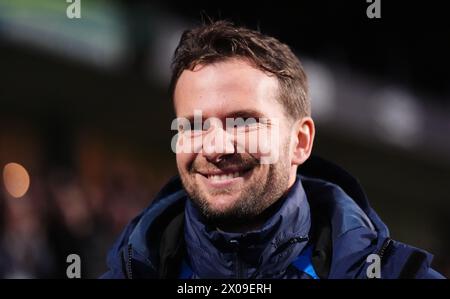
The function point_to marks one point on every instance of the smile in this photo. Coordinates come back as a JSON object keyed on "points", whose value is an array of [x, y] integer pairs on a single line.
{"points": [[224, 178], [215, 177]]}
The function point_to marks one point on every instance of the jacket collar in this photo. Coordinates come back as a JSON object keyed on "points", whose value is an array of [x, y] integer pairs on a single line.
{"points": [[265, 252]]}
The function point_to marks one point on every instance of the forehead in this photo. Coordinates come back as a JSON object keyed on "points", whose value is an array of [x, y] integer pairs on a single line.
{"points": [[220, 89]]}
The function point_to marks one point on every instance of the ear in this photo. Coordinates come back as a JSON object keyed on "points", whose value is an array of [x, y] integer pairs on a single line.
{"points": [[303, 137]]}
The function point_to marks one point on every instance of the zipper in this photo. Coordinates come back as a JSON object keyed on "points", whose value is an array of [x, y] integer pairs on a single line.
{"points": [[298, 240], [239, 268], [384, 248], [291, 242], [129, 270], [239, 265]]}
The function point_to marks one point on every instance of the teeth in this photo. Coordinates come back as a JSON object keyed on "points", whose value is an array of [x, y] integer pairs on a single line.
{"points": [[223, 177]]}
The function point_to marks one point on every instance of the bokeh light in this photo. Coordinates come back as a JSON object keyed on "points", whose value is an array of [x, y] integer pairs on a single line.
{"points": [[16, 179]]}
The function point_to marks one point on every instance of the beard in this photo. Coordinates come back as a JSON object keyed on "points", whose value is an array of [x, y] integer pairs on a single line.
{"points": [[254, 198]]}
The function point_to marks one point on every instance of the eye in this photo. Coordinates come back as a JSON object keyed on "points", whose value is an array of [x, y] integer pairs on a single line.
{"points": [[183, 125], [206, 125], [250, 121], [193, 129], [242, 123]]}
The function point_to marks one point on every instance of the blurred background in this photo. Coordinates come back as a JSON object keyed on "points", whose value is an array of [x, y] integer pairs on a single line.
{"points": [[85, 115]]}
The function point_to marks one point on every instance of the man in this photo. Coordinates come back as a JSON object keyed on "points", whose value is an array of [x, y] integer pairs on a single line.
{"points": [[249, 201]]}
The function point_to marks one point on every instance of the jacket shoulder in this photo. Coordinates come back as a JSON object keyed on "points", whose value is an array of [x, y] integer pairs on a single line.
{"points": [[403, 261]]}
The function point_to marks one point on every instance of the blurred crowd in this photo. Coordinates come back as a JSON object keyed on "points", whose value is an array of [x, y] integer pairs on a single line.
{"points": [[71, 210], [59, 216]]}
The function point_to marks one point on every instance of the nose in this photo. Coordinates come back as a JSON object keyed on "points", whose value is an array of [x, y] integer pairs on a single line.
{"points": [[217, 144]]}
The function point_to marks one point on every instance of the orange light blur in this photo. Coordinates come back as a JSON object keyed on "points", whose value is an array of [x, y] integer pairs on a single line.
{"points": [[16, 179]]}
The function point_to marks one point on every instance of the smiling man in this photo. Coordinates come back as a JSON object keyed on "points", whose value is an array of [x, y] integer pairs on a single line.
{"points": [[233, 189], [249, 202]]}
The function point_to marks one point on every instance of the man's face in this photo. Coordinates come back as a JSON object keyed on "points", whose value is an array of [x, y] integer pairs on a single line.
{"points": [[226, 183]]}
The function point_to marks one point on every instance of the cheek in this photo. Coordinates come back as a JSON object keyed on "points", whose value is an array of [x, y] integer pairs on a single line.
{"points": [[184, 161], [186, 143], [264, 145]]}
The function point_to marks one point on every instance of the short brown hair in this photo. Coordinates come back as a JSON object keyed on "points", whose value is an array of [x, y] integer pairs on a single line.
{"points": [[222, 40]]}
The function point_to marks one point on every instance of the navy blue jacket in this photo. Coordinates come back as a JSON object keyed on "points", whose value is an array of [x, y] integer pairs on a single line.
{"points": [[336, 233]]}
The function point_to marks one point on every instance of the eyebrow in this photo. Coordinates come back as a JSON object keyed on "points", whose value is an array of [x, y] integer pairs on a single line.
{"points": [[244, 113]]}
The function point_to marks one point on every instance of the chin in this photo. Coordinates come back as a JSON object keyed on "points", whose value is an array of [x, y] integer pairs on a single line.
{"points": [[221, 203]]}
